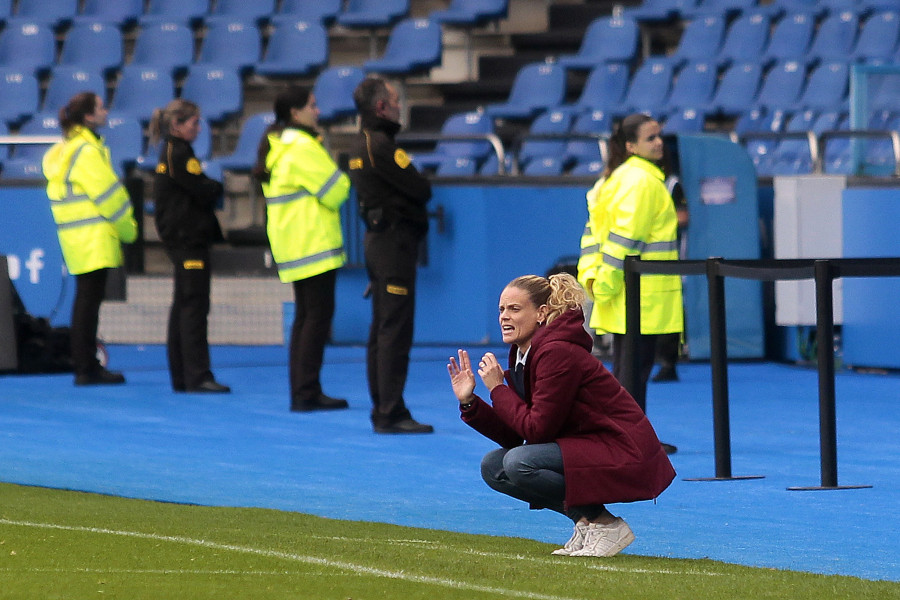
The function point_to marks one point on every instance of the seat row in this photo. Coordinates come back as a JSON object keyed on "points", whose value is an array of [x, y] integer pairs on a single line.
{"points": [[671, 10]]}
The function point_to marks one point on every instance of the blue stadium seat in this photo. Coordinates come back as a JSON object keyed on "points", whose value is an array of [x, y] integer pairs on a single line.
{"points": [[166, 45], [660, 10], [604, 88], [141, 90], [257, 10], [688, 120], [737, 89], [54, 13], [320, 11], [491, 166], [782, 86], [456, 166], [230, 43], [723, 8], [537, 87], [203, 145], [835, 37], [27, 45], [648, 89], [4, 149], [747, 37], [471, 13], [778, 8], [879, 156], [217, 91], [5, 11], [587, 168], [607, 39], [125, 138], [884, 93], [553, 123], [701, 41], [187, 12], [66, 81], [244, 155], [19, 95], [93, 45], [469, 123], [368, 14], [121, 13], [295, 49], [693, 87], [790, 38], [544, 166], [878, 38], [334, 92], [790, 156], [414, 46], [25, 162], [838, 159], [826, 88], [579, 149]]}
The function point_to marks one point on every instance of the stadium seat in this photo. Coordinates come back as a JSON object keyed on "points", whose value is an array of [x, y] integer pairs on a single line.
{"points": [[295, 49], [537, 87], [782, 86], [826, 88], [790, 38], [244, 156], [93, 45], [837, 156], [19, 95], [607, 39], [217, 91], [25, 161], [550, 123], [66, 81], [27, 45], [257, 10], [835, 37], [586, 134], [737, 89], [884, 93], [186, 12], [700, 41], [722, 8], [369, 14], [879, 155], [688, 120], [747, 37], [5, 12], [53, 13], [469, 123], [491, 166], [758, 121], [414, 46], [320, 11], [693, 87], [790, 156], [878, 38], [648, 89], [544, 166], [121, 13], [230, 43], [659, 10], [167, 46], [124, 137], [471, 13], [141, 90], [604, 88], [334, 92], [456, 166], [587, 168]]}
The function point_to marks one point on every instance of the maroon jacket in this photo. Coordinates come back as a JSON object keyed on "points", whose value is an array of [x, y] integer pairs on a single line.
{"points": [[610, 451]]}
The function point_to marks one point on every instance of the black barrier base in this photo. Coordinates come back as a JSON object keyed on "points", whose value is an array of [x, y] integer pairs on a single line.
{"points": [[737, 478], [827, 487]]}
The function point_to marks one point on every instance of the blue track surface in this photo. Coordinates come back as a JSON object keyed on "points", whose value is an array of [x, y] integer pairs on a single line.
{"points": [[245, 449]]}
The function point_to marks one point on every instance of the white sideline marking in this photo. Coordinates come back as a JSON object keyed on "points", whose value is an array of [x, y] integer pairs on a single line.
{"points": [[313, 560]]}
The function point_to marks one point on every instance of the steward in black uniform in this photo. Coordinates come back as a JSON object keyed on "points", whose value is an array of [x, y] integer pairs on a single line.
{"points": [[185, 218], [392, 197]]}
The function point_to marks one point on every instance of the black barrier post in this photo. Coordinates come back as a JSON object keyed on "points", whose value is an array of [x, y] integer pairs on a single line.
{"points": [[630, 354], [825, 274], [718, 359]]}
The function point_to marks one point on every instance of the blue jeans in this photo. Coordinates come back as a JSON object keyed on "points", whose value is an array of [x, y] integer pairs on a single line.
{"points": [[533, 473]]}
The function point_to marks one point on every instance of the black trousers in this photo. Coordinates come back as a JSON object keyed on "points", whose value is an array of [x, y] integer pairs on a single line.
{"points": [[647, 352], [90, 289], [313, 312], [391, 258], [186, 339]]}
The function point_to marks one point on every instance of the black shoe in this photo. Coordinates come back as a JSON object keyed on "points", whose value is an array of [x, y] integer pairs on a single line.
{"points": [[665, 374], [404, 426], [323, 402], [210, 386], [669, 448], [100, 377]]}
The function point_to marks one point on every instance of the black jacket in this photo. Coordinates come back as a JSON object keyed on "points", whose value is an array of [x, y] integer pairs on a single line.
{"points": [[389, 188], [185, 198]]}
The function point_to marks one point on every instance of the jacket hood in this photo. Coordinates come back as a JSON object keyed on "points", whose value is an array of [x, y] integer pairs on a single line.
{"points": [[279, 142], [58, 158], [567, 327]]}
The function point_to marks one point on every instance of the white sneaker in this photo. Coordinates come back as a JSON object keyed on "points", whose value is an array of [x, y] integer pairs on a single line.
{"points": [[576, 542], [605, 540]]}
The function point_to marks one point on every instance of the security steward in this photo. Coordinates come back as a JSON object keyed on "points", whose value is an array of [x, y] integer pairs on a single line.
{"points": [[392, 202], [304, 192], [185, 218], [93, 215]]}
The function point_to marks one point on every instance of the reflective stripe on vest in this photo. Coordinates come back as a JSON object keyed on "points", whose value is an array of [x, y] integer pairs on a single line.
{"points": [[330, 183], [308, 260], [288, 197], [642, 246]]}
